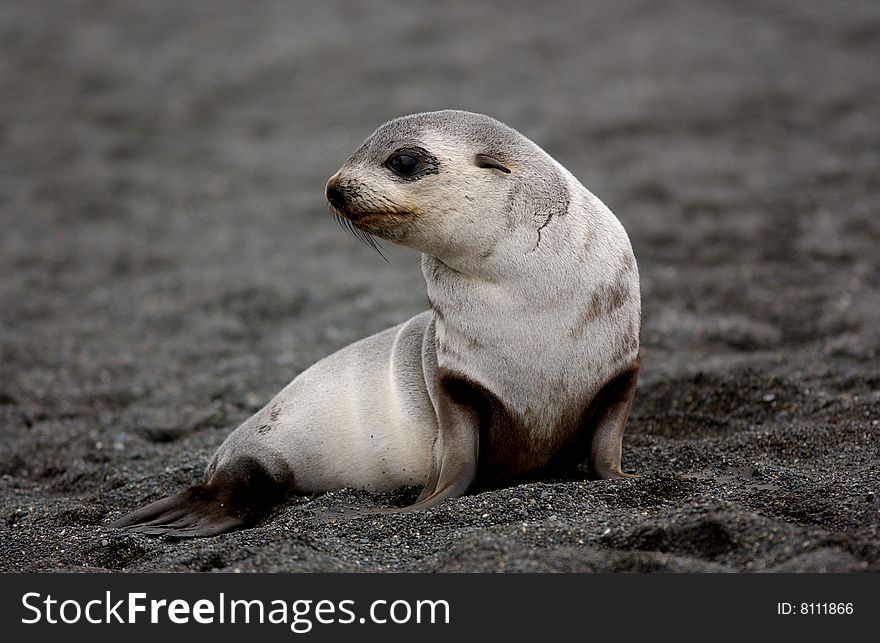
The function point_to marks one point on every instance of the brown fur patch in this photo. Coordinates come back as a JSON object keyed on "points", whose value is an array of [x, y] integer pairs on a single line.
{"points": [[387, 225], [506, 452], [628, 343], [512, 448], [604, 300], [265, 427]]}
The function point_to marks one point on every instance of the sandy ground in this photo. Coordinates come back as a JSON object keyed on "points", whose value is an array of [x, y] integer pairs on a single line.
{"points": [[168, 263]]}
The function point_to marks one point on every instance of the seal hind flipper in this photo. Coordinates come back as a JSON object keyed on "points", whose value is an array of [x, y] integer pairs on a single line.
{"points": [[238, 495], [195, 512]]}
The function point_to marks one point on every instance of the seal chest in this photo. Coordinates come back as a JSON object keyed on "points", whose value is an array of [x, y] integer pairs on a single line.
{"points": [[525, 364]]}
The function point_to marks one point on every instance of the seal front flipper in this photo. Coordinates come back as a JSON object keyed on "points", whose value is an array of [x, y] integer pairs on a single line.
{"points": [[456, 448], [237, 495], [610, 412]]}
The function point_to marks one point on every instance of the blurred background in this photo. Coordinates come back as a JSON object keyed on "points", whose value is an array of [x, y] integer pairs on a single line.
{"points": [[168, 262]]}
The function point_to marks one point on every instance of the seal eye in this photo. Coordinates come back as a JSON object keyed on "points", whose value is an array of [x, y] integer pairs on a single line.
{"points": [[411, 163], [403, 164]]}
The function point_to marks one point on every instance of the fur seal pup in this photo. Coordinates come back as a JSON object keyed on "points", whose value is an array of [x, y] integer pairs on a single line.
{"points": [[525, 364]]}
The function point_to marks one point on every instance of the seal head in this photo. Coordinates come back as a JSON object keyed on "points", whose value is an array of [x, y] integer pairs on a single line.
{"points": [[450, 184]]}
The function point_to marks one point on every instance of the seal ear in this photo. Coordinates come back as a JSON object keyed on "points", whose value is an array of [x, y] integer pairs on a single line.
{"points": [[484, 160]]}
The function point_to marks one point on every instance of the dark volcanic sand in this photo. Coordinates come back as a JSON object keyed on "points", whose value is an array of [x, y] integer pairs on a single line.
{"points": [[168, 263]]}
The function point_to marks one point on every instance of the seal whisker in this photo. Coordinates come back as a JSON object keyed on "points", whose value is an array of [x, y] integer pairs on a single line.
{"points": [[361, 235], [370, 240]]}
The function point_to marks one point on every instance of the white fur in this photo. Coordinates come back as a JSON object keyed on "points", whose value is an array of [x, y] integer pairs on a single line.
{"points": [[358, 418], [510, 298], [523, 305]]}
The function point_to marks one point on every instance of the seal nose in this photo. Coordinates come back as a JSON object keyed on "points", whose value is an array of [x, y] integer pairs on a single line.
{"points": [[334, 193]]}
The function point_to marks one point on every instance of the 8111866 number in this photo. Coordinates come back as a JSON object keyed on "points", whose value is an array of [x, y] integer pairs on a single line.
{"points": [[826, 608], [814, 609]]}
